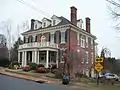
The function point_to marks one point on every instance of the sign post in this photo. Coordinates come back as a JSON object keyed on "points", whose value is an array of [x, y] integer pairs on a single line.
{"points": [[98, 67]]}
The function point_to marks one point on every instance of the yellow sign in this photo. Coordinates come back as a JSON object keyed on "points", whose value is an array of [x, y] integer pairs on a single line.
{"points": [[98, 67], [100, 59]]}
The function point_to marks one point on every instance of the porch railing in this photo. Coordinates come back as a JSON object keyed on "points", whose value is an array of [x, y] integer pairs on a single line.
{"points": [[38, 45]]}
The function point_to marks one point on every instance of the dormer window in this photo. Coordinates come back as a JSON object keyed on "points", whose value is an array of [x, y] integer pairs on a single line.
{"points": [[80, 23], [54, 22], [44, 24], [35, 26]]}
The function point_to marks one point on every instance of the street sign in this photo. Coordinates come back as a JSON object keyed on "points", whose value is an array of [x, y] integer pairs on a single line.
{"points": [[98, 67], [99, 59]]}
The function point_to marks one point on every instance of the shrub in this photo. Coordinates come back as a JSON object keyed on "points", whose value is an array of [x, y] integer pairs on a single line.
{"points": [[33, 66], [26, 68], [54, 71], [41, 70], [58, 74], [84, 80], [47, 70], [40, 65], [14, 65], [54, 66], [4, 62]]}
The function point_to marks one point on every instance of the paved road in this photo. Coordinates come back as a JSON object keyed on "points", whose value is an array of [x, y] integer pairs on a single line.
{"points": [[10, 83]]}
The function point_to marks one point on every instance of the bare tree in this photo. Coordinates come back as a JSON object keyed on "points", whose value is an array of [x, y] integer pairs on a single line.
{"points": [[114, 7]]}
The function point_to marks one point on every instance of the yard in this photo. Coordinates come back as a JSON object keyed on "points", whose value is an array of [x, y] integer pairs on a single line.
{"points": [[32, 73], [93, 86]]}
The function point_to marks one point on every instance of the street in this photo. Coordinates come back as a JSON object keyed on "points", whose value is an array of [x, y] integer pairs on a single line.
{"points": [[11, 83]]}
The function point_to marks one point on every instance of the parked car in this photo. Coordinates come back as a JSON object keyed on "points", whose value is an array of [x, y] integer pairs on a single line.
{"points": [[111, 76]]}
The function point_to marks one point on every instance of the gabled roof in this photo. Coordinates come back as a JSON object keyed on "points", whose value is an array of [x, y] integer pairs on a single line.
{"points": [[38, 21], [47, 19], [64, 21]]}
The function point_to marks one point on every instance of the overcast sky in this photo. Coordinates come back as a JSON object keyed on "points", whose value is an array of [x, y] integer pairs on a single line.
{"points": [[97, 10]]}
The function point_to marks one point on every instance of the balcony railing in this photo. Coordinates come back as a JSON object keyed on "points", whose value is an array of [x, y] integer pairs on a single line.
{"points": [[38, 45]]}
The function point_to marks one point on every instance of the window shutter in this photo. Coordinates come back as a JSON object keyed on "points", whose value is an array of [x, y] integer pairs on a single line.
{"points": [[35, 38], [66, 36], [49, 37], [31, 38], [24, 41], [55, 37], [59, 37], [28, 39]]}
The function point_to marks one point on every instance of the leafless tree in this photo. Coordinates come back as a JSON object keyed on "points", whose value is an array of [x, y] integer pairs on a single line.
{"points": [[114, 7]]}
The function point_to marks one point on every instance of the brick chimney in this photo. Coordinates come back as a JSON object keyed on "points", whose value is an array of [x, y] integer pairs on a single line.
{"points": [[88, 24], [32, 24], [74, 15]]}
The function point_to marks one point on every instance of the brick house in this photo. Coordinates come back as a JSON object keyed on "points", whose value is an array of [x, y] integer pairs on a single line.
{"points": [[47, 40]]}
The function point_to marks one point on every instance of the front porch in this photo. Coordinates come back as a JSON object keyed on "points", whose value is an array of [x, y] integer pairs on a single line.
{"points": [[45, 57]]}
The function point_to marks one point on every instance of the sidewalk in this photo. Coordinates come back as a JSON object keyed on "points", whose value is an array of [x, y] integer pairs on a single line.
{"points": [[27, 77]]}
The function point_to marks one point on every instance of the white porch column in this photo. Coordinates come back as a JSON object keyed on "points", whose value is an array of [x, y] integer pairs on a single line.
{"points": [[47, 59], [33, 56], [38, 57], [57, 59], [23, 58], [19, 57]]}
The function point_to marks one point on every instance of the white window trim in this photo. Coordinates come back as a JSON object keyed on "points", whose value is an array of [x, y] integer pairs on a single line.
{"points": [[35, 26], [86, 42], [82, 41], [53, 23], [92, 58], [52, 39], [87, 57], [62, 41], [91, 43], [26, 39], [43, 38], [83, 60]]}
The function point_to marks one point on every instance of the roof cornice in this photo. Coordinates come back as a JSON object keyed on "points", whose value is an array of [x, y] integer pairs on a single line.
{"points": [[83, 31]]}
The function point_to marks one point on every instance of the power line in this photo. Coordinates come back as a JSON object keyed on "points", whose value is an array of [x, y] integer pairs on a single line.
{"points": [[33, 7]]}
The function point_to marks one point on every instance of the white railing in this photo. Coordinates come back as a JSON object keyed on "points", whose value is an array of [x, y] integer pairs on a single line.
{"points": [[38, 45]]}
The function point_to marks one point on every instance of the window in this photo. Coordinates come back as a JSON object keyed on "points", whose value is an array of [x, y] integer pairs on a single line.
{"points": [[62, 36], [86, 42], [92, 58], [35, 26], [54, 22], [34, 38], [31, 38], [83, 60], [91, 43], [44, 24], [43, 38], [87, 57], [52, 38], [82, 42]]}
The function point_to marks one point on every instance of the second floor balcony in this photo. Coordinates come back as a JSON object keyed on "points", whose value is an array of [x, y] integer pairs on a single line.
{"points": [[38, 45]]}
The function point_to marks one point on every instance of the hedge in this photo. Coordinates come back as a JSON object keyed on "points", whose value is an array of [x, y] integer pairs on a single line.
{"points": [[4, 62]]}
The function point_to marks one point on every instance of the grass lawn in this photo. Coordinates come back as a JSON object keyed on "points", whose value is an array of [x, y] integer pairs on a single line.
{"points": [[102, 87], [31, 73]]}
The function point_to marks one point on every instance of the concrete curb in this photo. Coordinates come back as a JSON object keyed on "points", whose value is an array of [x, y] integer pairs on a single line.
{"points": [[34, 80], [40, 77]]}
